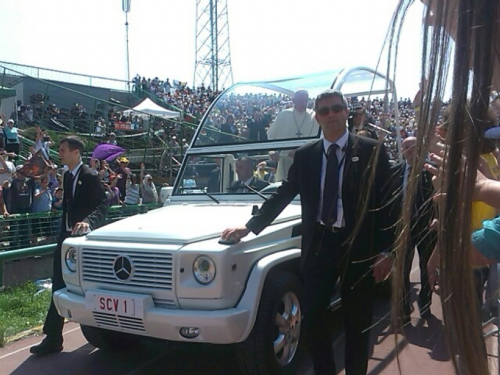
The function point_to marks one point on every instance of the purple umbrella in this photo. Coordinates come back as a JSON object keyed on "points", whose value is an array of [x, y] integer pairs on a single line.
{"points": [[107, 152]]}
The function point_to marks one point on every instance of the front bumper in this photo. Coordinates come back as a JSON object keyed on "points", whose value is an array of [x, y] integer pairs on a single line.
{"points": [[217, 327]]}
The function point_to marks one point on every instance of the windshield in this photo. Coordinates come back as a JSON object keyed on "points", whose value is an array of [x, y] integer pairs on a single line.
{"points": [[248, 113], [241, 172]]}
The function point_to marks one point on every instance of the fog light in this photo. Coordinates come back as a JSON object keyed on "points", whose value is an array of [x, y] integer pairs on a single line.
{"points": [[189, 332], [70, 314]]}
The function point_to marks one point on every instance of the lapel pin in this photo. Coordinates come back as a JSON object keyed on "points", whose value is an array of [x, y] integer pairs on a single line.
{"points": [[355, 159], [79, 182]]}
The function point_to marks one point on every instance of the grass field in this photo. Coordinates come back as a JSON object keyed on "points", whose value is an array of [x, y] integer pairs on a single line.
{"points": [[22, 308]]}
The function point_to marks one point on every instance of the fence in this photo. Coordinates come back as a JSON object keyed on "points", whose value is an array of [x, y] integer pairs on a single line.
{"points": [[21, 231], [31, 235], [62, 76]]}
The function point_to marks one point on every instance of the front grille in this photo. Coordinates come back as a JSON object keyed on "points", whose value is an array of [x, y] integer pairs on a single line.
{"points": [[105, 320], [151, 270]]}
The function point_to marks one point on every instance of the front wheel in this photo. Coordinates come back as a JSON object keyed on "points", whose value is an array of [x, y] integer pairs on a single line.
{"points": [[273, 345], [109, 340]]}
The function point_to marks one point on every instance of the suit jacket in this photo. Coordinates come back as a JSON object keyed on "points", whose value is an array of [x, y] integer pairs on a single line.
{"points": [[89, 200], [255, 183], [423, 210], [373, 134], [228, 133], [213, 185], [304, 177]]}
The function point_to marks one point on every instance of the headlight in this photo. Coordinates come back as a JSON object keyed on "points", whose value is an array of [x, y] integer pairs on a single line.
{"points": [[70, 259], [204, 270]]}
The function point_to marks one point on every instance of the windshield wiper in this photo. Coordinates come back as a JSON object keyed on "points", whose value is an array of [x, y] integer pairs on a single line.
{"points": [[255, 191], [210, 196]]}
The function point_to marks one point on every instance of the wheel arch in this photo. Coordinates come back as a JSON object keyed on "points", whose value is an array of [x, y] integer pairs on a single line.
{"points": [[287, 260]]}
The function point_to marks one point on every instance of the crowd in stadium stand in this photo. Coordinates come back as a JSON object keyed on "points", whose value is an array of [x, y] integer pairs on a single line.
{"points": [[247, 111], [43, 194]]}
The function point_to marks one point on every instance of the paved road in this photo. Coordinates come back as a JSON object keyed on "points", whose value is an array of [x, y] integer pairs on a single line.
{"points": [[421, 351]]}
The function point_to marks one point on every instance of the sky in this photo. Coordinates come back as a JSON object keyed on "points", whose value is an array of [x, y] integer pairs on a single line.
{"points": [[269, 38]]}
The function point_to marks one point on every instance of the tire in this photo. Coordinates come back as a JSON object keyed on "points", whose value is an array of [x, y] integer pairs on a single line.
{"points": [[269, 349], [109, 340]]}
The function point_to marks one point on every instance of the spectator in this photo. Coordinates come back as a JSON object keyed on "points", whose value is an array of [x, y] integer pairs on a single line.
{"points": [[57, 207], [21, 193], [257, 126], [12, 142], [7, 168], [3, 208], [42, 142], [105, 171], [43, 196], [133, 191], [149, 193], [229, 131], [112, 139], [57, 200], [42, 203], [124, 171], [112, 191], [53, 180], [20, 198], [94, 165]]}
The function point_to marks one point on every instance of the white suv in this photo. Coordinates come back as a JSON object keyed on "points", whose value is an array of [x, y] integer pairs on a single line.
{"points": [[165, 275]]}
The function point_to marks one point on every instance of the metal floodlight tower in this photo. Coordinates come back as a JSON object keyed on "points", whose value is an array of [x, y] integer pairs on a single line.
{"points": [[213, 57], [126, 9]]}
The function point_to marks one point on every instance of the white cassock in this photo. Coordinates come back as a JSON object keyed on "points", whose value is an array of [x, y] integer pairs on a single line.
{"points": [[291, 124]]}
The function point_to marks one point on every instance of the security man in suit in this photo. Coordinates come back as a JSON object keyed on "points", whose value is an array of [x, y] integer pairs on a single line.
{"points": [[422, 215], [358, 121], [341, 180], [84, 209]]}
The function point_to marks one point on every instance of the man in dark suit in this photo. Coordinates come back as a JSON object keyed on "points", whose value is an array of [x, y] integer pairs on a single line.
{"points": [[246, 177], [358, 121], [422, 215], [229, 131], [341, 180], [257, 126], [84, 209]]}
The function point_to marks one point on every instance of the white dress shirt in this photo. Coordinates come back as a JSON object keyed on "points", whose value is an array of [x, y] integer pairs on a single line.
{"points": [[75, 172]]}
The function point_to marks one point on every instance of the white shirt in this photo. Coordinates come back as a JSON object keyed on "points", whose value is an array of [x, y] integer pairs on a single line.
{"points": [[7, 175], [341, 142], [75, 172]]}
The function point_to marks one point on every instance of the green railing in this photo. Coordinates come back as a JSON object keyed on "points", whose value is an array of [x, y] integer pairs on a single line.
{"points": [[20, 231], [22, 254], [32, 235], [63, 76]]}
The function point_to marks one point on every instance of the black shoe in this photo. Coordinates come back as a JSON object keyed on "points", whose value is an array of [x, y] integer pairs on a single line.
{"points": [[46, 347]]}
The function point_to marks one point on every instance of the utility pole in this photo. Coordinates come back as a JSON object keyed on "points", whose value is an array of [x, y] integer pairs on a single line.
{"points": [[126, 9]]}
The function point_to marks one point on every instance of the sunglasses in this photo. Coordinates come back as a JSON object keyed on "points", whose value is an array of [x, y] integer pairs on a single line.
{"points": [[336, 108]]}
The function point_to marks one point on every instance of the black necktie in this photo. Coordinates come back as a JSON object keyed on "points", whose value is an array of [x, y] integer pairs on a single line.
{"points": [[331, 187]]}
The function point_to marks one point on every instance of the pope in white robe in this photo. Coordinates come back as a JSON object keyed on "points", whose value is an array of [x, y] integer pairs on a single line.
{"points": [[297, 122]]}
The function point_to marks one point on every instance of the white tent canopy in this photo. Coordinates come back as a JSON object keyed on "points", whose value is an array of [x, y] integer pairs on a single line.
{"points": [[147, 106]]}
